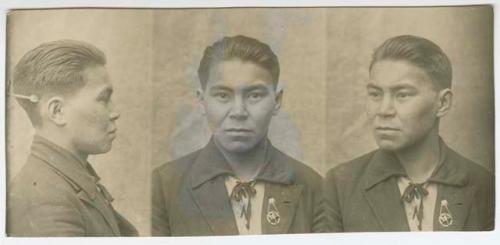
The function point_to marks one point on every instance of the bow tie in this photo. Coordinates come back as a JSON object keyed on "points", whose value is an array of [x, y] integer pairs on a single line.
{"points": [[244, 190], [412, 192]]}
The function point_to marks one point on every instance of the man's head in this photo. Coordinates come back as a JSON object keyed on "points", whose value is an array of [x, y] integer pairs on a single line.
{"points": [[239, 77], [409, 90], [72, 91]]}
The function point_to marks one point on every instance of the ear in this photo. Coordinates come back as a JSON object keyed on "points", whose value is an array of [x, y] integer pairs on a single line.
{"points": [[445, 102], [278, 99], [201, 100], [55, 110]]}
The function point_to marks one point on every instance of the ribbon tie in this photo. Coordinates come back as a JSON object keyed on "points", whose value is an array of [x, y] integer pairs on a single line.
{"points": [[241, 191], [412, 192]]}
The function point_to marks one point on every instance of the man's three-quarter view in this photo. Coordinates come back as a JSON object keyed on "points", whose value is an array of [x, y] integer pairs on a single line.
{"points": [[413, 181]]}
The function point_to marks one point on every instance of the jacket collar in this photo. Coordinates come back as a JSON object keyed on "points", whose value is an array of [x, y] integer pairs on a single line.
{"points": [[79, 174], [211, 163], [384, 164]]}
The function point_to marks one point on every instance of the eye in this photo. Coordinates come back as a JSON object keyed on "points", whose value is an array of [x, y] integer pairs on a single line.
{"points": [[255, 96], [222, 96], [374, 95], [402, 95]]}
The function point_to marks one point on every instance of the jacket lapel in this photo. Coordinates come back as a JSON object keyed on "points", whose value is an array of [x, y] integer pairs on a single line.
{"points": [[452, 208], [385, 202], [453, 202], [209, 191], [213, 202], [285, 199], [382, 192], [103, 208]]}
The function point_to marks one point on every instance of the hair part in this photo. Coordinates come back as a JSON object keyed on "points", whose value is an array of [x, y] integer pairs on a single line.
{"points": [[53, 68], [239, 47], [420, 52]]}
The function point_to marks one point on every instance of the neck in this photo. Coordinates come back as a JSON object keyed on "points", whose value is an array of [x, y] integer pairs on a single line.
{"points": [[420, 159], [246, 165], [63, 142]]}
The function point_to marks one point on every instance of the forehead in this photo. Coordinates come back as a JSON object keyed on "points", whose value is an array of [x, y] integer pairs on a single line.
{"points": [[389, 73], [236, 73], [96, 77]]}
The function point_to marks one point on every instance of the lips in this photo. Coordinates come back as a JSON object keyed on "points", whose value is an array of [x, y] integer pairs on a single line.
{"points": [[386, 129], [238, 130]]}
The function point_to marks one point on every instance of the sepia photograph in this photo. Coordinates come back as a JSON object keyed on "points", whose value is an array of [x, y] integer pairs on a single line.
{"points": [[193, 122]]}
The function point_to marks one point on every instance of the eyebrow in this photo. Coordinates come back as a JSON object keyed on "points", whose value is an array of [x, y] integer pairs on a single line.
{"points": [[255, 87], [220, 87], [373, 86], [392, 88]]}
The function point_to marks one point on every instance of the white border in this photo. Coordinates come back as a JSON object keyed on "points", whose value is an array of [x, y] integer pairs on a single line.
{"points": [[454, 238]]}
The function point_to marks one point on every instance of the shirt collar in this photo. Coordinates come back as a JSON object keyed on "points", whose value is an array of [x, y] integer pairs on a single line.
{"points": [[79, 174], [211, 163], [384, 164]]}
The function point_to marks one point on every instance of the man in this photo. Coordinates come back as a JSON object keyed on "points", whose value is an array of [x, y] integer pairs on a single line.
{"points": [[238, 183], [64, 88], [414, 181]]}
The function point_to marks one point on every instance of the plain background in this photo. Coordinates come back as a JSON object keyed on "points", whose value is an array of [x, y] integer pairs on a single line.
{"points": [[324, 55]]}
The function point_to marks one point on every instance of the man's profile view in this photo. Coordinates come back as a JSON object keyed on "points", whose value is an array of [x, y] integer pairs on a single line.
{"points": [[413, 181], [64, 88], [238, 183]]}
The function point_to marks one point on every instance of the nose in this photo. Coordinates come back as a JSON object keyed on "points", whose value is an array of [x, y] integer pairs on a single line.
{"points": [[386, 107], [239, 110]]}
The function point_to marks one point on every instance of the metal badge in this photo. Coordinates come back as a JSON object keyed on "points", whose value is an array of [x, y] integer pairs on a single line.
{"points": [[273, 215], [445, 217]]}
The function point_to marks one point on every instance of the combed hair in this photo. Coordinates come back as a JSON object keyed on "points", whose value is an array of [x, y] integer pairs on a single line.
{"points": [[239, 47], [420, 52], [53, 68]]}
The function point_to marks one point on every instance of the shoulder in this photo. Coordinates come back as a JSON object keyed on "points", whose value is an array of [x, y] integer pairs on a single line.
{"points": [[172, 172], [477, 174], [38, 191], [39, 181], [177, 166], [350, 170], [303, 173]]}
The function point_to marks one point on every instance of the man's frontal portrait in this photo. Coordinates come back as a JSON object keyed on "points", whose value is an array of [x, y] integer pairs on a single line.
{"points": [[239, 183]]}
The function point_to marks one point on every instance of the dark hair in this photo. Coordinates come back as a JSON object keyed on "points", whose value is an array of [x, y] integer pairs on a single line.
{"points": [[240, 47], [53, 68], [420, 52]]}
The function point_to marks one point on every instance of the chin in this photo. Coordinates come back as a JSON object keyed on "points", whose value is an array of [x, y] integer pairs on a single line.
{"points": [[389, 145], [238, 147], [103, 149]]}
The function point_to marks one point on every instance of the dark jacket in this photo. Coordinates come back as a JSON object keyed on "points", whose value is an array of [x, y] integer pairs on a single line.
{"points": [[55, 194], [362, 195], [190, 198]]}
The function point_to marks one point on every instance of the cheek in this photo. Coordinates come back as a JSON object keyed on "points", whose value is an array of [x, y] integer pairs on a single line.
{"points": [[418, 115], [215, 113], [96, 119], [262, 113]]}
